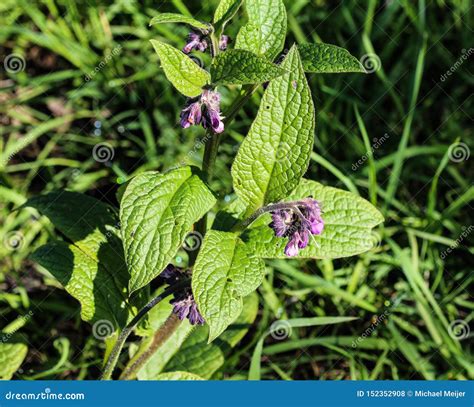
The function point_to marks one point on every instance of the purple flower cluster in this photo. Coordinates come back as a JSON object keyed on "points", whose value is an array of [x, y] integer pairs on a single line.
{"points": [[205, 110], [195, 42], [198, 42], [298, 223], [183, 302]]}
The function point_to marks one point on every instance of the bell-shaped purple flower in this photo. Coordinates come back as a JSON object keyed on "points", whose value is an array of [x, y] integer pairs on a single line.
{"points": [[224, 42], [191, 114], [298, 222], [195, 42], [185, 307], [212, 117], [281, 222]]}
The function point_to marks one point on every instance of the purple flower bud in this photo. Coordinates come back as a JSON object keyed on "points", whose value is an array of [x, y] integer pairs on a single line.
{"points": [[224, 42], [195, 42], [170, 274]]}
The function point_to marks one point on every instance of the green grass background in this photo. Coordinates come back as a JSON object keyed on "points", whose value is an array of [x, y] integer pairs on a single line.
{"points": [[54, 111]]}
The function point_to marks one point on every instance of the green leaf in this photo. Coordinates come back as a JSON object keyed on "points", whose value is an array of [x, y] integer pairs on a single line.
{"points": [[239, 328], [276, 152], [87, 281], [240, 67], [178, 376], [157, 212], [348, 222], [225, 271], [11, 358], [179, 18], [92, 268], [225, 11], [88, 223], [185, 75], [327, 58], [197, 356], [265, 32]]}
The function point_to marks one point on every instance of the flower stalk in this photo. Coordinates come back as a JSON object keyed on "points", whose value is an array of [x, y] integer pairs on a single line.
{"points": [[115, 353]]}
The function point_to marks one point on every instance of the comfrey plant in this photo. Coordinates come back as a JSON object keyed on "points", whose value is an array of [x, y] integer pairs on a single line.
{"points": [[108, 259]]}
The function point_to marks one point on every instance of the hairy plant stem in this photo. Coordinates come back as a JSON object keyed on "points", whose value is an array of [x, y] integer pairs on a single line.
{"points": [[114, 355], [159, 338]]}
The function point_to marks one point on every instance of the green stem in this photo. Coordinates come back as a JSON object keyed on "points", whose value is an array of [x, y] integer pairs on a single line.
{"points": [[114, 355], [159, 338], [210, 153]]}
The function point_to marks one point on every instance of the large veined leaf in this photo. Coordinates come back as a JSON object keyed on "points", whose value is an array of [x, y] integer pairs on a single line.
{"points": [[265, 32], [225, 271], [11, 358], [157, 212], [240, 67], [179, 18], [239, 328], [185, 75], [197, 356], [86, 280], [327, 58], [348, 222], [92, 267], [226, 10], [88, 223], [276, 152]]}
